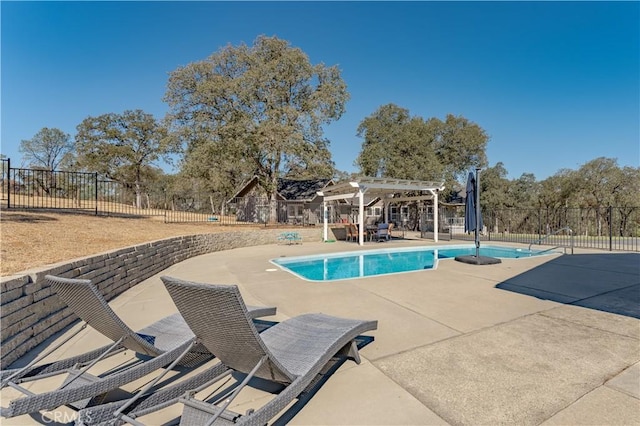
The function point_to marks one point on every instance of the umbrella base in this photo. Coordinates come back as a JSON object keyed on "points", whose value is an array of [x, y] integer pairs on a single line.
{"points": [[480, 260]]}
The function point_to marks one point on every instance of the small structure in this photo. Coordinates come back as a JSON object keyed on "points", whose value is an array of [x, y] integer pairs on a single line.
{"points": [[387, 189], [295, 199]]}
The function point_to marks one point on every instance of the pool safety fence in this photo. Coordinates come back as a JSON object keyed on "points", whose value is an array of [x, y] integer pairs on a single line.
{"points": [[609, 228], [81, 192], [603, 227]]}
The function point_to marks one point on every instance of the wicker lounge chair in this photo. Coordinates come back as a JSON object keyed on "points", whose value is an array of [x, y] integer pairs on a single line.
{"points": [[168, 342], [292, 353]]}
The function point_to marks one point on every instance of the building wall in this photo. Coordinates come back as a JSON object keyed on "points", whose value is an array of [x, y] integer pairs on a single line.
{"points": [[30, 312]]}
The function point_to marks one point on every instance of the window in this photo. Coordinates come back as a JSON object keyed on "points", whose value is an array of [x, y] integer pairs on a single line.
{"points": [[404, 213], [294, 210], [393, 214], [374, 211]]}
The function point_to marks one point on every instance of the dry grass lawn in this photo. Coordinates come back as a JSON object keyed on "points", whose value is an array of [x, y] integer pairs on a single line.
{"points": [[31, 239]]}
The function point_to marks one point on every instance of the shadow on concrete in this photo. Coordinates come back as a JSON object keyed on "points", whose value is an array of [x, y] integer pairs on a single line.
{"points": [[608, 282], [321, 379]]}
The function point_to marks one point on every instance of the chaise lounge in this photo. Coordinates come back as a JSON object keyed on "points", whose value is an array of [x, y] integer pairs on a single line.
{"points": [[292, 353], [168, 342]]}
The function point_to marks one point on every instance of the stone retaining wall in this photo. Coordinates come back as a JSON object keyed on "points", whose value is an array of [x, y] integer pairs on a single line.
{"points": [[30, 312]]}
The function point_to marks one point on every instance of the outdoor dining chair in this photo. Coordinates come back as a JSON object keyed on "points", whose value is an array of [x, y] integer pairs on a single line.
{"points": [[383, 233]]}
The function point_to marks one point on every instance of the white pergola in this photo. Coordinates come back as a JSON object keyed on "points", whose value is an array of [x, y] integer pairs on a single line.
{"points": [[385, 189]]}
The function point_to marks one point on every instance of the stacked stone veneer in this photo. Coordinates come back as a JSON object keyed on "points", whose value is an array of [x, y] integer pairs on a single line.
{"points": [[30, 312]]}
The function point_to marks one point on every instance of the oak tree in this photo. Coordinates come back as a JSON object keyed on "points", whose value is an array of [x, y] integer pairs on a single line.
{"points": [[400, 146], [255, 110], [48, 149], [123, 147]]}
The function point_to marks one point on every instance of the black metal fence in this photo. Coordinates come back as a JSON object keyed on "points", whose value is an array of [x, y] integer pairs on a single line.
{"points": [[609, 228], [27, 189], [75, 191], [242, 211], [5, 164]]}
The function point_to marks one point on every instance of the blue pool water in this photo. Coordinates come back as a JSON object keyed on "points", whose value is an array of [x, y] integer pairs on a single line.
{"points": [[341, 266]]}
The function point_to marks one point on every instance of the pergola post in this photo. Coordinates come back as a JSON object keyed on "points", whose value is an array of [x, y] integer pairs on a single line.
{"points": [[387, 207], [435, 216], [325, 220], [383, 187], [361, 216]]}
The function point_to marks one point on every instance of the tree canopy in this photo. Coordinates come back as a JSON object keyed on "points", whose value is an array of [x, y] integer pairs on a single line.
{"points": [[49, 149], [401, 146], [122, 147], [255, 110], [596, 184], [259, 111]]}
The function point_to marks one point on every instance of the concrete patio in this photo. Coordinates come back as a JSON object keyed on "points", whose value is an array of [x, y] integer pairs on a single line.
{"points": [[544, 340]]}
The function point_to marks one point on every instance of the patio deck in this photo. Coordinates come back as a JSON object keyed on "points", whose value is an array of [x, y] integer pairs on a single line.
{"points": [[543, 340]]}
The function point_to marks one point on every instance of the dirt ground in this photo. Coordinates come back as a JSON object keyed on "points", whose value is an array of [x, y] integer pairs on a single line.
{"points": [[32, 239]]}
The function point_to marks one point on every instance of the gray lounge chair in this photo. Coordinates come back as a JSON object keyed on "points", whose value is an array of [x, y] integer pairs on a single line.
{"points": [[292, 352], [168, 342]]}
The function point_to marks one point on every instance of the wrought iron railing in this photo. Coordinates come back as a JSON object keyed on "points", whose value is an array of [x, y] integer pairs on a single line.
{"points": [[610, 228]]}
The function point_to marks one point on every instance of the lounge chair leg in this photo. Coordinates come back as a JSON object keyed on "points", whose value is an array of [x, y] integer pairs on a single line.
{"points": [[94, 362], [237, 390], [151, 384], [351, 350], [38, 358], [131, 421], [20, 389]]}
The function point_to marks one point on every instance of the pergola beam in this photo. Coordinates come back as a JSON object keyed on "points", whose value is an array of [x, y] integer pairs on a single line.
{"points": [[381, 187], [416, 198], [340, 197]]}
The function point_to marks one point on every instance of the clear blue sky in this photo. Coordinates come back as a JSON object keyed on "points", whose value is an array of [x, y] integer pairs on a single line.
{"points": [[554, 84]]}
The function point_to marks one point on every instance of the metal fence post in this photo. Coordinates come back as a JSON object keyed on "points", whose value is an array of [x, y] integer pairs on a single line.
{"points": [[610, 212], [547, 220], [95, 177], [8, 183], [539, 223]]}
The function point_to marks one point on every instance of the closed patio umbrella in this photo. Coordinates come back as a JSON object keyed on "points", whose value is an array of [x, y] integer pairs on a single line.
{"points": [[470, 213], [473, 221]]}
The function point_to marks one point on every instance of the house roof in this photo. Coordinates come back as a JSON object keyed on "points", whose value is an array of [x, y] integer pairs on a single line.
{"points": [[289, 189], [297, 190]]}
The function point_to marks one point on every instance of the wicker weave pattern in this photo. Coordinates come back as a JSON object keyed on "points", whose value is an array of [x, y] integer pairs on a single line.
{"points": [[198, 414], [103, 414], [333, 344], [297, 349], [319, 334], [56, 365], [237, 343], [85, 300], [171, 336], [56, 398]]}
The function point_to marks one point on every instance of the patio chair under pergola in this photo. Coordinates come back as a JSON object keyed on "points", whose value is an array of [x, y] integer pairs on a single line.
{"points": [[383, 188]]}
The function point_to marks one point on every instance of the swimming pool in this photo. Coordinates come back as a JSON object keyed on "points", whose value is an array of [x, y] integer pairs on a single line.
{"points": [[348, 265]]}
